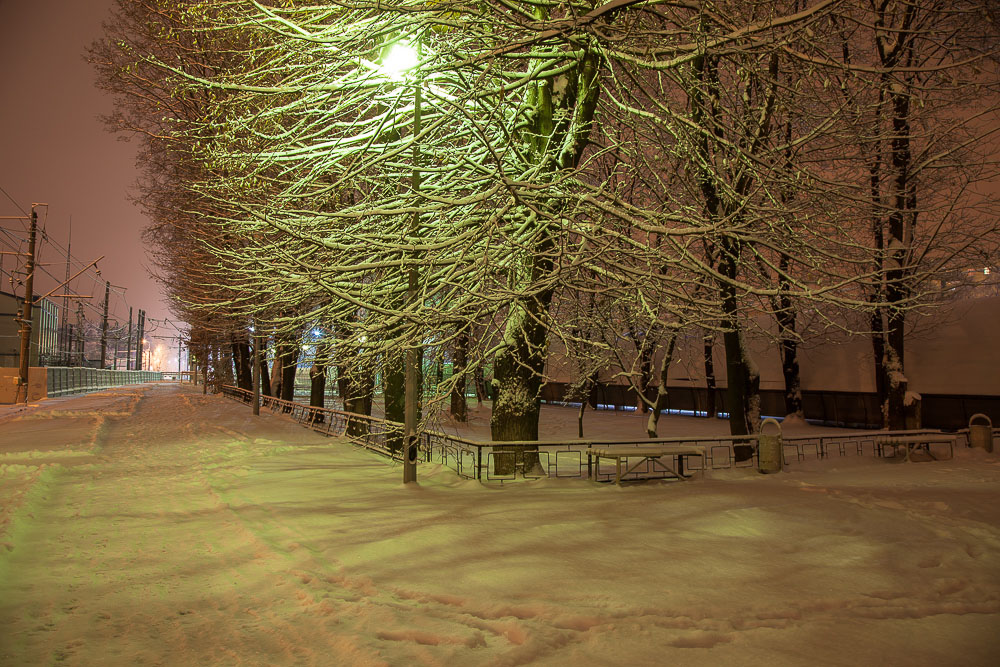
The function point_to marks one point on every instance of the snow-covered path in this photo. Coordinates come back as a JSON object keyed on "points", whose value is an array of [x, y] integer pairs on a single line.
{"points": [[154, 525]]}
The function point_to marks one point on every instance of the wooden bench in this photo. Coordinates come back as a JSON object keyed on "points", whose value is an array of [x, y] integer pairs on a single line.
{"points": [[652, 454], [911, 442]]}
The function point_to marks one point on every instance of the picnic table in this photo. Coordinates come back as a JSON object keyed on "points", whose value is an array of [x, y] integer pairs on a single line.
{"points": [[911, 442], [653, 454]]}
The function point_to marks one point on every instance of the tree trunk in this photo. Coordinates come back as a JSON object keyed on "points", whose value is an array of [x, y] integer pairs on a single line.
{"points": [[785, 316], [478, 377], [317, 388], [235, 351], [458, 362], [900, 225], [517, 381], [265, 376], [289, 365], [793, 382], [394, 394], [743, 379], [743, 392], [516, 408], [710, 409], [581, 392], [355, 386], [287, 360], [743, 383], [275, 372], [225, 358], [894, 415], [520, 361], [646, 388], [660, 402], [878, 353], [358, 399], [241, 357]]}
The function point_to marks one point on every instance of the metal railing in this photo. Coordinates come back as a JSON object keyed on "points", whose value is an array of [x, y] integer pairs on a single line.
{"points": [[380, 435], [63, 381], [534, 459], [507, 461]]}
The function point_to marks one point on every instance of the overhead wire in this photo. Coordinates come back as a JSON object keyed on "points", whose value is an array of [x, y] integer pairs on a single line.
{"points": [[88, 283]]}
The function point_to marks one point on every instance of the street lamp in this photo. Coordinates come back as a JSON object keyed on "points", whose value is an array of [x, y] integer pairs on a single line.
{"points": [[402, 58]]}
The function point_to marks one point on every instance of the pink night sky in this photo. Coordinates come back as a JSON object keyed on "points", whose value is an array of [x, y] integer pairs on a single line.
{"points": [[55, 149]]}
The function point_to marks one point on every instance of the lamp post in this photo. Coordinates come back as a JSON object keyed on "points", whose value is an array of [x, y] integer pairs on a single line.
{"points": [[401, 58], [257, 342]]}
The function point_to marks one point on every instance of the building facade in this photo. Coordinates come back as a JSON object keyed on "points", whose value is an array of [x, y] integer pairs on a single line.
{"points": [[44, 331]]}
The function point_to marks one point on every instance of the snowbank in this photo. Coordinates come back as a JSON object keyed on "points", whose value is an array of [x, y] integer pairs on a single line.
{"points": [[197, 534]]}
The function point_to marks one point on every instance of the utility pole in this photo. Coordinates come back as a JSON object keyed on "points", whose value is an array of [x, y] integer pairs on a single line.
{"points": [[81, 341], [128, 349], [29, 283], [141, 325], [66, 341], [104, 325]]}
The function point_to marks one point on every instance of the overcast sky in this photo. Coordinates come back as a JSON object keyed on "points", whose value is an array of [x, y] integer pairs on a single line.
{"points": [[54, 149]]}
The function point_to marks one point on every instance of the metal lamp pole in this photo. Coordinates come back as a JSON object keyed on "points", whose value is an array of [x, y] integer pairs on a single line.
{"points": [[258, 340], [411, 378]]}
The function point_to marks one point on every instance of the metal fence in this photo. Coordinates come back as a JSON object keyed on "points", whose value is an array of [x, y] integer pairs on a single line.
{"points": [[479, 460], [491, 461], [380, 435], [63, 381]]}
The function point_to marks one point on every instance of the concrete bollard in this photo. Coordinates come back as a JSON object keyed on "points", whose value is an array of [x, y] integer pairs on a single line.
{"points": [[769, 451], [981, 435]]}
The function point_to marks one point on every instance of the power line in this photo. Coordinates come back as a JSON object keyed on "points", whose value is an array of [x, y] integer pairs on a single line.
{"points": [[14, 202], [93, 275], [85, 284]]}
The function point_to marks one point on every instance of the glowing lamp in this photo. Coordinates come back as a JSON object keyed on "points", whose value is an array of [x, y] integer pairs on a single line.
{"points": [[401, 58]]}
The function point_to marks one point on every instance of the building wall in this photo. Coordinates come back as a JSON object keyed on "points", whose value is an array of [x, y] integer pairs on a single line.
{"points": [[951, 349], [44, 330], [37, 384]]}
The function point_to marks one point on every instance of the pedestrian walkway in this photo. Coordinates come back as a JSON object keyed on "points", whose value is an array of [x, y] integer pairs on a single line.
{"points": [[155, 525], [108, 556]]}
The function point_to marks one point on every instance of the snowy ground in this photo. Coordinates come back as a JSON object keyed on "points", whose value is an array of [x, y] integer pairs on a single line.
{"points": [[154, 525], [560, 423]]}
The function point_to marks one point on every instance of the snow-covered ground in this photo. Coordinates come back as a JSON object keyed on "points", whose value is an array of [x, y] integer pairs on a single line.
{"points": [[154, 525], [561, 423]]}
